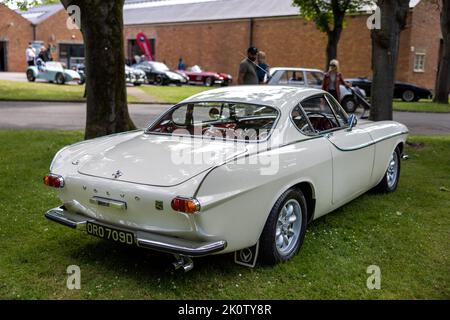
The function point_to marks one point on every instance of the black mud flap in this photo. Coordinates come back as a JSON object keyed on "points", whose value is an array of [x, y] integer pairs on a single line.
{"points": [[248, 256]]}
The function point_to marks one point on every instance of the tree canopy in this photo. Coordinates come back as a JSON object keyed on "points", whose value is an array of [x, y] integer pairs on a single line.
{"points": [[324, 12], [25, 4], [329, 17]]}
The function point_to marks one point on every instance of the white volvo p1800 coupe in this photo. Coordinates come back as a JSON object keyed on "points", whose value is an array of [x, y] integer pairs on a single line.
{"points": [[239, 169]]}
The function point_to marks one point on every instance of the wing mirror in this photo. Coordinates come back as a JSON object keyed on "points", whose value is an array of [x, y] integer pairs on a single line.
{"points": [[352, 121]]}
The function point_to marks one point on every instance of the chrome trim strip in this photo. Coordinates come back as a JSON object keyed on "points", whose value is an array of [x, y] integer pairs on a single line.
{"points": [[178, 246], [316, 136], [145, 240], [365, 145], [105, 202]]}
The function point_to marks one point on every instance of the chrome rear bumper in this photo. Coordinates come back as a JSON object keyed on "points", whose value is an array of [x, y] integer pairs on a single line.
{"points": [[146, 240]]}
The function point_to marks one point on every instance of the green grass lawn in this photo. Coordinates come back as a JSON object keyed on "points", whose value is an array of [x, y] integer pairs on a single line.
{"points": [[421, 106], [172, 94], [41, 91], [405, 233]]}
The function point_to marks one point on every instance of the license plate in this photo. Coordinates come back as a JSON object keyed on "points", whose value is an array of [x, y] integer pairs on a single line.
{"points": [[108, 233]]}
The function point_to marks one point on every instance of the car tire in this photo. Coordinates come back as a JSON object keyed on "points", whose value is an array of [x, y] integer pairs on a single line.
{"points": [[209, 82], [349, 104], [137, 84], [159, 81], [30, 76], [408, 96], [59, 78], [392, 175], [277, 230], [81, 81]]}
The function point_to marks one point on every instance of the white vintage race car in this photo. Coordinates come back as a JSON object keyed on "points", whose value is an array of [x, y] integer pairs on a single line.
{"points": [[52, 71], [239, 169]]}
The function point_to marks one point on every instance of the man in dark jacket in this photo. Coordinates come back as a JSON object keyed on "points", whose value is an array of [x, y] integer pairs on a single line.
{"points": [[247, 68]]}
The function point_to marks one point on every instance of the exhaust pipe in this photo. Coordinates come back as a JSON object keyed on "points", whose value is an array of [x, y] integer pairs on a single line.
{"points": [[183, 262]]}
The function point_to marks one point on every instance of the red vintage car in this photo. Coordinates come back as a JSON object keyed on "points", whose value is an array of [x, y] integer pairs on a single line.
{"points": [[197, 76]]}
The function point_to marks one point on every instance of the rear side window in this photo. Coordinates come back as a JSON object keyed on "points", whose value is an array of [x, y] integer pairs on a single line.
{"points": [[320, 114], [287, 77], [300, 121], [314, 78]]}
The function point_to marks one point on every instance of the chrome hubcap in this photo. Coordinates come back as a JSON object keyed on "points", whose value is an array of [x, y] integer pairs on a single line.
{"points": [[350, 105], [288, 227], [408, 95], [392, 170]]}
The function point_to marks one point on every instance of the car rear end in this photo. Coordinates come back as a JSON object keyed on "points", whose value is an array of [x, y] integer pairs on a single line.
{"points": [[149, 201], [152, 217]]}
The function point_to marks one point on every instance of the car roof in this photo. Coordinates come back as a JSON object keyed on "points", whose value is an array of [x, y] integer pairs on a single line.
{"points": [[275, 96], [294, 69]]}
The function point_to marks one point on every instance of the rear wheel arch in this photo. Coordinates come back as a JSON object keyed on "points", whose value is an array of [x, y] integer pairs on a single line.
{"points": [[400, 147], [308, 191]]}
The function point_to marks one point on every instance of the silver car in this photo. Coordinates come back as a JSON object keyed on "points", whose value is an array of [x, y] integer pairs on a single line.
{"points": [[303, 77]]}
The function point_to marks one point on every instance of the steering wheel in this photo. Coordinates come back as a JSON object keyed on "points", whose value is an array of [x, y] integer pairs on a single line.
{"points": [[323, 125]]}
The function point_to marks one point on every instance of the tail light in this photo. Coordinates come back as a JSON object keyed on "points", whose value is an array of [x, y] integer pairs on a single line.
{"points": [[53, 180], [185, 205]]}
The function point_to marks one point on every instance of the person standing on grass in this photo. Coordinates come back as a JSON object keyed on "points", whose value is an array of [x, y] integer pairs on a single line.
{"points": [[30, 54], [262, 69], [333, 79], [181, 65], [247, 68]]}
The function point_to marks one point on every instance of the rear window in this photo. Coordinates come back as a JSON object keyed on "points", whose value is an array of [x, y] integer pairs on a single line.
{"points": [[218, 120]]}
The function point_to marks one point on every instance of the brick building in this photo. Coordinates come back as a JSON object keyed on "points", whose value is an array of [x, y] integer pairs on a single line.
{"points": [[215, 34], [13, 46]]}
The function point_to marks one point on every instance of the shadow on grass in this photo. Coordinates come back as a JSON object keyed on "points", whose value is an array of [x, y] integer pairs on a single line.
{"points": [[109, 256]]}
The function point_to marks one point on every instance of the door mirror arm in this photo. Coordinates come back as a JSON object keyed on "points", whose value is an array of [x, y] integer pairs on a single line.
{"points": [[352, 121]]}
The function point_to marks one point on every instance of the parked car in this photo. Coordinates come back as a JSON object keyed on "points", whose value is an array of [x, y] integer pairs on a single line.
{"points": [[405, 91], [303, 77], [81, 69], [51, 71], [208, 78], [158, 73], [135, 76], [231, 169]]}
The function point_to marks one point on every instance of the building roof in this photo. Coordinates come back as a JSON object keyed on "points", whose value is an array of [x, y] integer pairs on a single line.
{"points": [[175, 11], [38, 14], [172, 11]]}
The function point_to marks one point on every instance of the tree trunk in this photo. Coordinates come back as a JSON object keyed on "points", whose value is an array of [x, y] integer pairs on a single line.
{"points": [[102, 29], [332, 46], [443, 78], [335, 34], [385, 47]]}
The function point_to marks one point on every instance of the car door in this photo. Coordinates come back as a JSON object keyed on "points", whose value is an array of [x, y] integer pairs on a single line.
{"points": [[352, 150]]}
